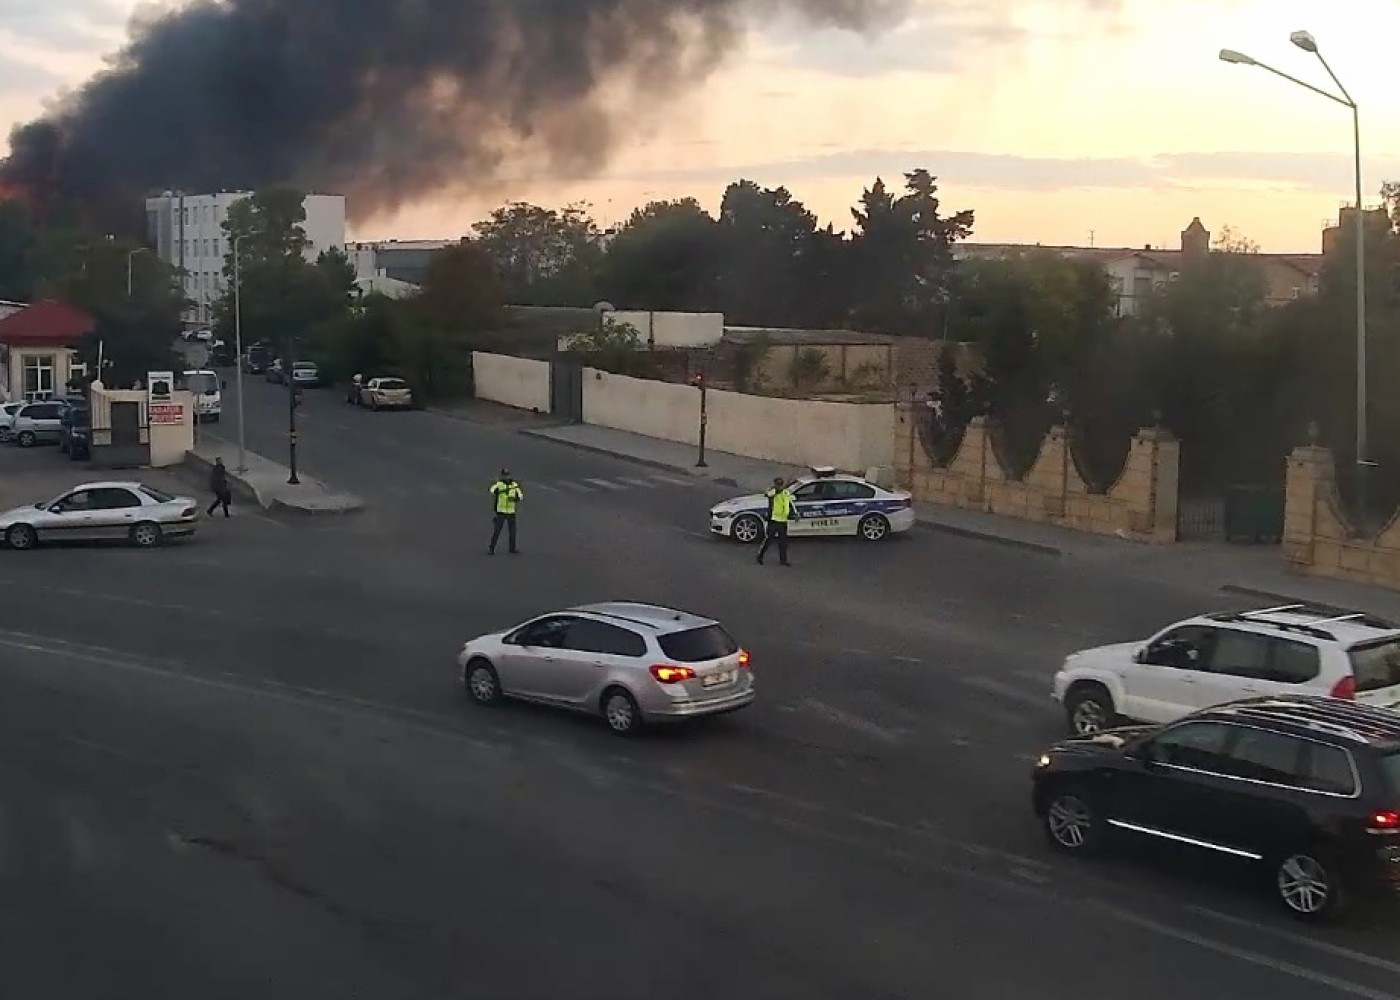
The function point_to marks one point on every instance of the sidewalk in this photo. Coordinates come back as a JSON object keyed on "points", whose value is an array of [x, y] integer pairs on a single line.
{"points": [[264, 482], [1248, 572], [480, 411], [750, 474]]}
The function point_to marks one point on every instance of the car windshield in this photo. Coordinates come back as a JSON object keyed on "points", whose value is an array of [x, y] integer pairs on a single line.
{"points": [[11, 408], [1376, 665], [201, 383], [392, 383], [695, 645], [159, 496], [305, 365]]}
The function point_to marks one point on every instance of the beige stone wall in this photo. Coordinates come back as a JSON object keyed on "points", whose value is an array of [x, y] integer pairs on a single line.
{"points": [[1141, 505], [1317, 537]]}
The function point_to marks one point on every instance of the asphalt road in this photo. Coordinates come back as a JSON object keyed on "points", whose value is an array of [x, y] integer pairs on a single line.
{"points": [[243, 766]]}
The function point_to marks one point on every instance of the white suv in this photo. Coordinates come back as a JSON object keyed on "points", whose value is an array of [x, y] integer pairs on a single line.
{"points": [[1291, 650]]}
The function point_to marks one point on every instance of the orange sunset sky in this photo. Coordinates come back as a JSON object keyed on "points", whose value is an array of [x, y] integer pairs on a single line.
{"points": [[1052, 120]]}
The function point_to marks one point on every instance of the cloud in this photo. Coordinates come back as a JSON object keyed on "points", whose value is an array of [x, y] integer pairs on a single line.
{"points": [[1315, 172], [68, 25], [939, 37]]}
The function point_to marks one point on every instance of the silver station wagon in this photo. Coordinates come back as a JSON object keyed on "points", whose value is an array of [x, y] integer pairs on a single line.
{"points": [[630, 663]]}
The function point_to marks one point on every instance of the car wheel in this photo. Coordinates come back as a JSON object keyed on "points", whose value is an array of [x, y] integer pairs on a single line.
{"points": [[873, 527], [1089, 709], [480, 680], [747, 529], [26, 439], [21, 536], [1071, 822], [1307, 885], [145, 535], [621, 713]]}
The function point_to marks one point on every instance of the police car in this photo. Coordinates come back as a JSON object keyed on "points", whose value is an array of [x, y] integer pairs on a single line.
{"points": [[827, 503]]}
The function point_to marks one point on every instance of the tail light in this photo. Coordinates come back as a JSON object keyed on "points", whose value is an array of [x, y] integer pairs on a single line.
{"points": [[744, 659], [667, 674], [1383, 821], [1345, 688]]}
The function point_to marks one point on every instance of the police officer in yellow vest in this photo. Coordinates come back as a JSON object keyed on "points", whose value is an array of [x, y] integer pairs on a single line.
{"points": [[781, 510], [506, 495]]}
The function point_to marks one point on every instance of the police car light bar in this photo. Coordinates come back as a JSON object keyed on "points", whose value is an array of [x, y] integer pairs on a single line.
{"points": [[823, 471]]}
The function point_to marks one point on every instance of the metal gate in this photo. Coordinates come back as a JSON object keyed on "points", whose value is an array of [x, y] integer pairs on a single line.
{"points": [[566, 390]]}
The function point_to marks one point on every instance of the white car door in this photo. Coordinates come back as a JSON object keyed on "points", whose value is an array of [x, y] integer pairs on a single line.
{"points": [[1159, 684], [1250, 665], [811, 498]]}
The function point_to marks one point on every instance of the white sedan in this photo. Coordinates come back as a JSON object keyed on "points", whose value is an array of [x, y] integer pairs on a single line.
{"points": [[826, 503], [140, 514]]}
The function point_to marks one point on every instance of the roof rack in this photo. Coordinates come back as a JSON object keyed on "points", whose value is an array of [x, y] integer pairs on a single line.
{"points": [[1352, 721], [1252, 617]]}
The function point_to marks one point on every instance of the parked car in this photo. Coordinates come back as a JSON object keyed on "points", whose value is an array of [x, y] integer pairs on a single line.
{"points": [[306, 374], [141, 514], [1293, 649], [76, 416], [7, 419], [630, 663], [1305, 788], [386, 394], [37, 423], [825, 503], [256, 360]]}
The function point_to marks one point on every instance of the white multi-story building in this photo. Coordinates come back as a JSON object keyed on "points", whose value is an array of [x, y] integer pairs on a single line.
{"points": [[187, 232]]}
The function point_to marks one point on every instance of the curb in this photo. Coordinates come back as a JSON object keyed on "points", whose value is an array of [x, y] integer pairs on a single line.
{"points": [[1240, 590], [544, 419], [987, 536], [244, 491], [649, 463]]}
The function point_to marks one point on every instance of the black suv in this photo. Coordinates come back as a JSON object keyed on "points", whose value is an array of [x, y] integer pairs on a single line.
{"points": [[1307, 787]]}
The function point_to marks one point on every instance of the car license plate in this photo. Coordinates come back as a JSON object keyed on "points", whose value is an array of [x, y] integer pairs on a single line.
{"points": [[715, 680]]}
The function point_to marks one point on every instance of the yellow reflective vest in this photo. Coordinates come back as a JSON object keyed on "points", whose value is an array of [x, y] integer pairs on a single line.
{"points": [[780, 508], [508, 495]]}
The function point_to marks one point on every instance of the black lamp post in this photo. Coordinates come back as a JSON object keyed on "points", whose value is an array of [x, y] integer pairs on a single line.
{"points": [[293, 401]]}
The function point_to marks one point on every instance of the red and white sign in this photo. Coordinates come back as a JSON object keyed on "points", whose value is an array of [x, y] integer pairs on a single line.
{"points": [[167, 413]]}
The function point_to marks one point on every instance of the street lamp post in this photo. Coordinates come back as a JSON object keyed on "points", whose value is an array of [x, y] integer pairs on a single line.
{"points": [[238, 347], [289, 373], [1305, 41], [129, 255]]}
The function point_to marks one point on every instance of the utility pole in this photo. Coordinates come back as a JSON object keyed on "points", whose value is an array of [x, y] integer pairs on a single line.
{"points": [[289, 363]]}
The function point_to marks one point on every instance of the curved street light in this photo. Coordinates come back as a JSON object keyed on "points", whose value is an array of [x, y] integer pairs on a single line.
{"points": [[1305, 41]]}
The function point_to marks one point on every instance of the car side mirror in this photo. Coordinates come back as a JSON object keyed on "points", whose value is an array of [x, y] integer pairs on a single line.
{"points": [[1140, 656]]}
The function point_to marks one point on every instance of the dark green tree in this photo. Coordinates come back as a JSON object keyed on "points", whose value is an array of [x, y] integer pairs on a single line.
{"points": [[902, 256], [666, 257], [543, 256]]}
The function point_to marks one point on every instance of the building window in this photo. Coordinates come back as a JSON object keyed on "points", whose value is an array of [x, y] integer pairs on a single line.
{"points": [[40, 372]]}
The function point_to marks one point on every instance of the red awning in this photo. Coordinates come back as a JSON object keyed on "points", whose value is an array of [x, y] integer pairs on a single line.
{"points": [[48, 323]]}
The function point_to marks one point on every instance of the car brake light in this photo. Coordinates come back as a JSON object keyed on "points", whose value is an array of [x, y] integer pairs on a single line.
{"points": [[1345, 688], [744, 658], [1384, 821], [667, 674]]}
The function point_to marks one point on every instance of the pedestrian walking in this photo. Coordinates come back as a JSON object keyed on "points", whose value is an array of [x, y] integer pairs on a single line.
{"points": [[781, 510], [506, 495], [218, 485]]}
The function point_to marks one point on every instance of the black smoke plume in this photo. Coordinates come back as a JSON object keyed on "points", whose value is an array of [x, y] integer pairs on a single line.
{"points": [[385, 101]]}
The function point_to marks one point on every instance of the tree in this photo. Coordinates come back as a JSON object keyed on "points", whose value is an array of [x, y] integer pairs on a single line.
{"points": [[461, 292], [135, 332], [667, 257], [543, 256], [902, 256], [613, 346], [766, 238], [18, 239], [281, 296]]}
